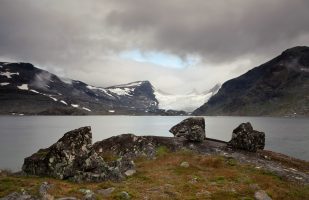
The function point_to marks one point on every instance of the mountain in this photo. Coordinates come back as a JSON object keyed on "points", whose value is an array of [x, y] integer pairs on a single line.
{"points": [[279, 87], [26, 89], [186, 102]]}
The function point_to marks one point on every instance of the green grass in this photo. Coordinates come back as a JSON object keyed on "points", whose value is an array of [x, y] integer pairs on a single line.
{"points": [[207, 177]]}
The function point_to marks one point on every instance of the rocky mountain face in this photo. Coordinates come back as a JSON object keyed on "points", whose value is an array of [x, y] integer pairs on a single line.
{"points": [[26, 89], [277, 88]]}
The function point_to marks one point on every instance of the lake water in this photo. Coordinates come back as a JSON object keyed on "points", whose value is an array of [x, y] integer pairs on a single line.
{"points": [[24, 135]]}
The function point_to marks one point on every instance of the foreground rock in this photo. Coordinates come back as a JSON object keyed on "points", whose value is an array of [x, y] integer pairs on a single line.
{"points": [[73, 158], [192, 129], [244, 137]]}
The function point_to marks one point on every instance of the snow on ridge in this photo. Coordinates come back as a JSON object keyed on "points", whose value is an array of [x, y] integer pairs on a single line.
{"points": [[105, 91], [35, 91], [75, 105], [133, 84], [122, 91], [87, 109], [53, 98], [9, 74], [65, 103], [23, 87], [4, 84]]}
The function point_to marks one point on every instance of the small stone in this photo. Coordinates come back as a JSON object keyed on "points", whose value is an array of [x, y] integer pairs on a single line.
{"points": [[254, 187], [124, 195], [261, 195], [67, 198], [184, 164], [44, 187], [106, 192], [130, 172]]}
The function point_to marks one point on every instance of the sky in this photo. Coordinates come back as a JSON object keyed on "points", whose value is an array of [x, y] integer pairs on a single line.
{"points": [[178, 45]]}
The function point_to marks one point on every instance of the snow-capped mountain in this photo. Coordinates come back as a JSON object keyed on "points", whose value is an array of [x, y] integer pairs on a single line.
{"points": [[186, 102], [26, 89]]}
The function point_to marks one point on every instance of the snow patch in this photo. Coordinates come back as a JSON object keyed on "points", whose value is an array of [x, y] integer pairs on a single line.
{"points": [[134, 84], [53, 98], [86, 109], [111, 111], [65, 103], [8, 74], [122, 91], [100, 89], [75, 105], [34, 91], [3, 84], [23, 87]]}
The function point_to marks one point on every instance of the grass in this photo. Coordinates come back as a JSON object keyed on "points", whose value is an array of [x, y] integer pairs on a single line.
{"points": [[207, 177]]}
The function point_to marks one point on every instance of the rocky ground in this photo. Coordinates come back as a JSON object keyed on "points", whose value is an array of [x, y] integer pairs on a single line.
{"points": [[151, 167]]}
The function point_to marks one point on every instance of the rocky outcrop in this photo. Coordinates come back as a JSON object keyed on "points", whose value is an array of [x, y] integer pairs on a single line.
{"points": [[244, 137], [132, 146], [192, 129], [73, 157]]}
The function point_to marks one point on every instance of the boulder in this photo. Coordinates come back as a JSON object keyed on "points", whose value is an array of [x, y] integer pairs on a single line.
{"points": [[193, 129], [72, 157], [244, 137]]}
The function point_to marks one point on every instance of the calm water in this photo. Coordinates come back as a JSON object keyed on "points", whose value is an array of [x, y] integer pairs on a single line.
{"points": [[22, 136]]}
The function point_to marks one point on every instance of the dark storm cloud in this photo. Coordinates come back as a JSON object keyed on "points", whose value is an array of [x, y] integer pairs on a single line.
{"points": [[83, 39]]}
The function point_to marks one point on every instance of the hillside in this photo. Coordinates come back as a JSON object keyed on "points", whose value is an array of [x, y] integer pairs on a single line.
{"points": [[277, 88], [26, 89]]}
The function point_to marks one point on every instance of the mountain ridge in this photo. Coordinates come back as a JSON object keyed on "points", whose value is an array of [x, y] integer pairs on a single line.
{"points": [[278, 87]]}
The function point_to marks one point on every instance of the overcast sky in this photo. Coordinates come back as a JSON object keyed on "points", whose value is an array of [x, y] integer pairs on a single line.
{"points": [[178, 45]]}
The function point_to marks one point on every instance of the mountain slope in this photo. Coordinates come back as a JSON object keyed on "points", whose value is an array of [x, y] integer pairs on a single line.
{"points": [[277, 88], [26, 89]]}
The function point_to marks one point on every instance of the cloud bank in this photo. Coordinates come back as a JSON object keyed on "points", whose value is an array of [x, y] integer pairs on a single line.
{"points": [[85, 39]]}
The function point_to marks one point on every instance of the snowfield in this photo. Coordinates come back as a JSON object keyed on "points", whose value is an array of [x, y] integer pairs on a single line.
{"points": [[187, 103]]}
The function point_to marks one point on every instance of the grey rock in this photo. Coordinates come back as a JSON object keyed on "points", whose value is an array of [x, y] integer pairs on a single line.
{"points": [[184, 164], [261, 195], [88, 194], [72, 157], [130, 172], [244, 137], [67, 198], [44, 187], [124, 195], [18, 196], [193, 129], [106, 192]]}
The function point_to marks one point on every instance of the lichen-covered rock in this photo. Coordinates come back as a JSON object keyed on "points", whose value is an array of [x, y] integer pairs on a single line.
{"points": [[244, 137], [192, 129], [72, 157], [129, 146]]}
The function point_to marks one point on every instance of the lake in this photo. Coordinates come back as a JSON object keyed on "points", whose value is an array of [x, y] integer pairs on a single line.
{"points": [[23, 135]]}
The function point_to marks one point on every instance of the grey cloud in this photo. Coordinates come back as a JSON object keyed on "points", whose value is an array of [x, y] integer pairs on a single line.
{"points": [[216, 30], [81, 39]]}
